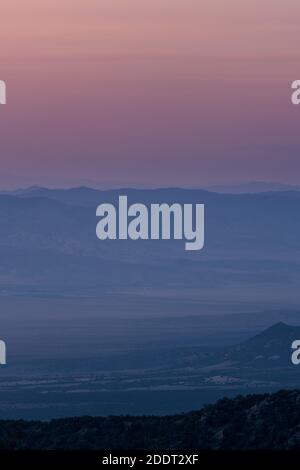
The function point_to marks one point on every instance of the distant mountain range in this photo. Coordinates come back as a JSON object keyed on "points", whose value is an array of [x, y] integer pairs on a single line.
{"points": [[271, 348], [250, 187], [252, 422], [48, 242], [267, 350], [253, 187]]}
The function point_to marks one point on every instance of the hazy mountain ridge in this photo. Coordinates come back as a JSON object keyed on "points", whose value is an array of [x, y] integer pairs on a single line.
{"points": [[249, 239], [269, 349], [253, 187]]}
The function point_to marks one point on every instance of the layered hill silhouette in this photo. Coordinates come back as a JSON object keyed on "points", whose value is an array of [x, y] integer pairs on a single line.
{"points": [[269, 349], [47, 239], [254, 187]]}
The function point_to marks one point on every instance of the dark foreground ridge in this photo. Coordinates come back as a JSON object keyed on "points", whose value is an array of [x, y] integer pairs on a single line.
{"points": [[250, 422]]}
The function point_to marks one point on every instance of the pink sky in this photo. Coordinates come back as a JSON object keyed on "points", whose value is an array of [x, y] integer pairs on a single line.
{"points": [[148, 92]]}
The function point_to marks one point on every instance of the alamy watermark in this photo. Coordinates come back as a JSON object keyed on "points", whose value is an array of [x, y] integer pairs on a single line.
{"points": [[295, 97], [296, 352], [2, 92], [158, 222], [296, 92], [2, 352]]}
